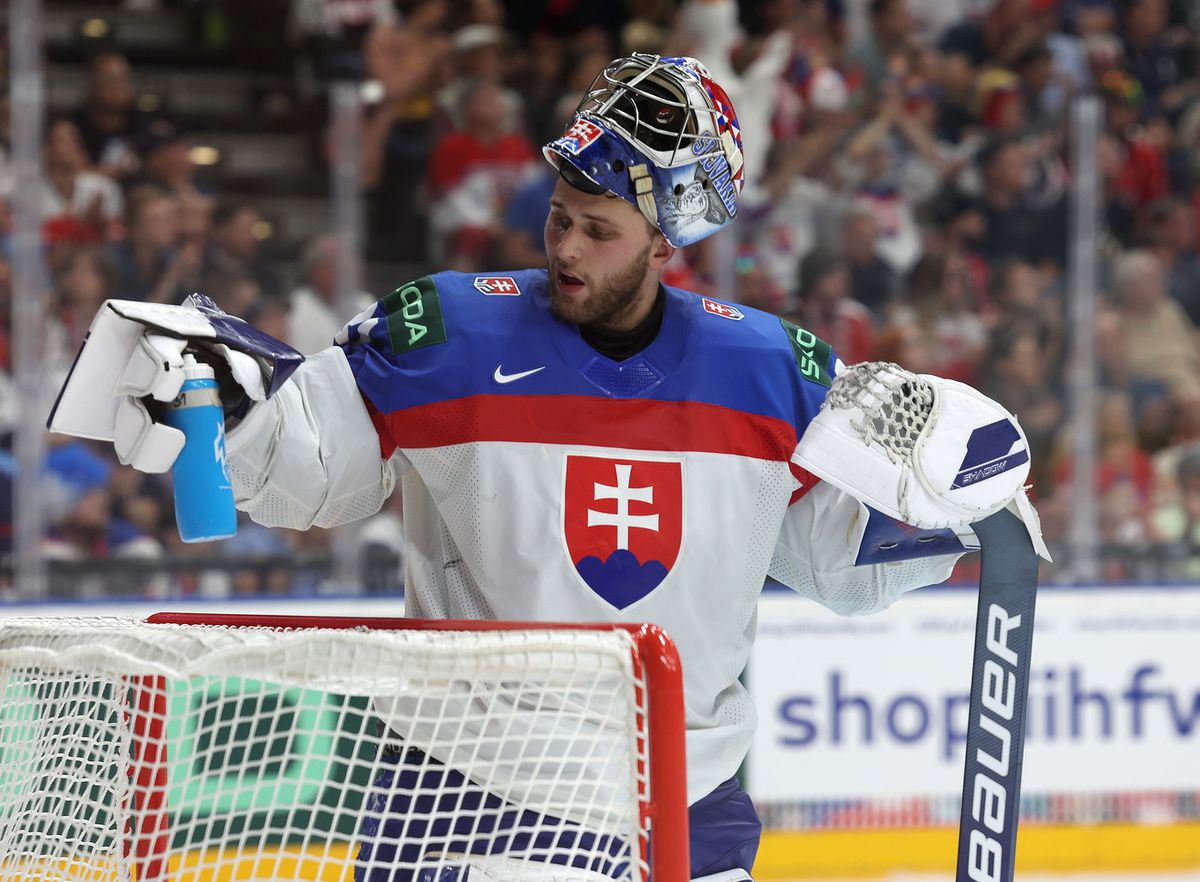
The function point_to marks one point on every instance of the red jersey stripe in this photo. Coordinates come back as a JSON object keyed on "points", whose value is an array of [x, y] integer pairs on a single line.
{"points": [[632, 424]]}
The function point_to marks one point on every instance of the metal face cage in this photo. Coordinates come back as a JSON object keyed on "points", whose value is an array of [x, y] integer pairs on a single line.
{"points": [[647, 99]]}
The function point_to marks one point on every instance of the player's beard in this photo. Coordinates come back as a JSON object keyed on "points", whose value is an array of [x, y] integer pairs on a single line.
{"points": [[606, 300]]}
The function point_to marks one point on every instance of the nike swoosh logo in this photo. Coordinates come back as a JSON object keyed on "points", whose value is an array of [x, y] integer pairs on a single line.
{"points": [[500, 377]]}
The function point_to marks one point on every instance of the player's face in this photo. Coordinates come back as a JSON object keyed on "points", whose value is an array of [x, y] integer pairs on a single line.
{"points": [[604, 259]]}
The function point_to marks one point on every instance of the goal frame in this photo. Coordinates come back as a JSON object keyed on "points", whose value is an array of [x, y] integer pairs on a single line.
{"points": [[663, 810]]}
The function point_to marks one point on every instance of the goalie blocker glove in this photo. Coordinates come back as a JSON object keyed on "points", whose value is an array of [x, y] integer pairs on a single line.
{"points": [[131, 362], [929, 452]]}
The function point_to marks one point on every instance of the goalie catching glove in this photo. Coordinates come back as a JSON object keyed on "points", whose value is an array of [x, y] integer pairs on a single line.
{"points": [[926, 451], [131, 362]]}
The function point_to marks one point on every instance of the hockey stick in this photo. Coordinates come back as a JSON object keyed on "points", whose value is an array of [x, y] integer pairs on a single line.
{"points": [[987, 834]]}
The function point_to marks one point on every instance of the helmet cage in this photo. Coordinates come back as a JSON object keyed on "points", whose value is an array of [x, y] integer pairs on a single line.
{"points": [[658, 104], [658, 131]]}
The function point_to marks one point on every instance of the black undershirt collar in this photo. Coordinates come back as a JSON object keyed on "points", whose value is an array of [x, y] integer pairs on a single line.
{"points": [[620, 345]]}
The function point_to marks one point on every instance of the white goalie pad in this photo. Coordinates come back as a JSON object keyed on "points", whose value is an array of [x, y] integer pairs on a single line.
{"points": [[117, 361], [133, 351], [930, 452]]}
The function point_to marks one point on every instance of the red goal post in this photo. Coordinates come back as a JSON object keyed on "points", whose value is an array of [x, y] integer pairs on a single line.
{"points": [[526, 705]]}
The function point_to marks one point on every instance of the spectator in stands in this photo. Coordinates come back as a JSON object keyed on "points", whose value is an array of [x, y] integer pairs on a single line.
{"points": [[954, 87], [1102, 52], [1119, 459], [999, 103], [235, 291], [940, 310], [399, 132], [1069, 73], [873, 283], [1172, 476], [888, 34], [235, 247], [895, 162], [5, 138], [151, 265], [1034, 68], [481, 53], [473, 173], [86, 278], [78, 205], [521, 242], [1017, 294], [1013, 226], [805, 199], [330, 37], [315, 316], [1162, 339], [1149, 57], [1176, 518], [1016, 372], [997, 36], [824, 307], [1150, 398], [749, 71], [144, 501], [543, 73], [1172, 233], [109, 120], [1140, 175], [78, 499], [165, 159], [754, 285], [1123, 481], [902, 342]]}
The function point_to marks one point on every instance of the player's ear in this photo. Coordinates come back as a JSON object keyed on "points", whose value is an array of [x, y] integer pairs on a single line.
{"points": [[661, 251]]}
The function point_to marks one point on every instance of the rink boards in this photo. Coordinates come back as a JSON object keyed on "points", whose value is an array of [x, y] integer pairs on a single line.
{"points": [[857, 762]]}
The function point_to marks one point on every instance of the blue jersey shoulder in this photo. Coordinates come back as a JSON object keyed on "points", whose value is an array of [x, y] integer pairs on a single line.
{"points": [[442, 308], [760, 335], [753, 360], [416, 343]]}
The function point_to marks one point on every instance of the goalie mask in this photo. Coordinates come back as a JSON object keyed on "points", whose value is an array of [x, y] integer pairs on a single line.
{"points": [[661, 134]]}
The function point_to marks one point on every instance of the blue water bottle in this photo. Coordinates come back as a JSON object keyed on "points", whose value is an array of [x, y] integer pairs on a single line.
{"points": [[203, 495]]}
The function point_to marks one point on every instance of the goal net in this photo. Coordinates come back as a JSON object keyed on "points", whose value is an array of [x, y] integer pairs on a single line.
{"points": [[234, 747]]}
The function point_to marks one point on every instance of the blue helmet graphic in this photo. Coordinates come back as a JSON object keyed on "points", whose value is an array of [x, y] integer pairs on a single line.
{"points": [[661, 134]]}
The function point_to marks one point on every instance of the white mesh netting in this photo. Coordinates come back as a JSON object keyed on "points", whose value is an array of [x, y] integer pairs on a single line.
{"points": [[318, 754], [895, 404]]}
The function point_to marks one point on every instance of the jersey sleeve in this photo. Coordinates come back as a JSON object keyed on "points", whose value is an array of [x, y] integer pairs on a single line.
{"points": [[320, 451], [407, 350], [819, 552], [310, 455], [816, 556]]}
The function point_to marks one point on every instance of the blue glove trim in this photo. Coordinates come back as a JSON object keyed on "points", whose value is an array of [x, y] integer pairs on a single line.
{"points": [[887, 540]]}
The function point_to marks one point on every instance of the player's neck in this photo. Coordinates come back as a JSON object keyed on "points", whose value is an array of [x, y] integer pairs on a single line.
{"points": [[620, 345]]}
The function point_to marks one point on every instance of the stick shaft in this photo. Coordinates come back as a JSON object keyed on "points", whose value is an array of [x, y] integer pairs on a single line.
{"points": [[999, 691]]}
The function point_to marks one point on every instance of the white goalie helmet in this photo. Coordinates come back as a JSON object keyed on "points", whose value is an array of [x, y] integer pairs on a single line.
{"points": [[663, 135]]}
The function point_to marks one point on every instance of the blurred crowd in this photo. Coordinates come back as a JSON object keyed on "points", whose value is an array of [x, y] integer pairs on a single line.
{"points": [[908, 177]]}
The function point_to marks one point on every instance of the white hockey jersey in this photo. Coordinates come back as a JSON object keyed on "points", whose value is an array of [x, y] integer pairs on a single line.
{"points": [[544, 481]]}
